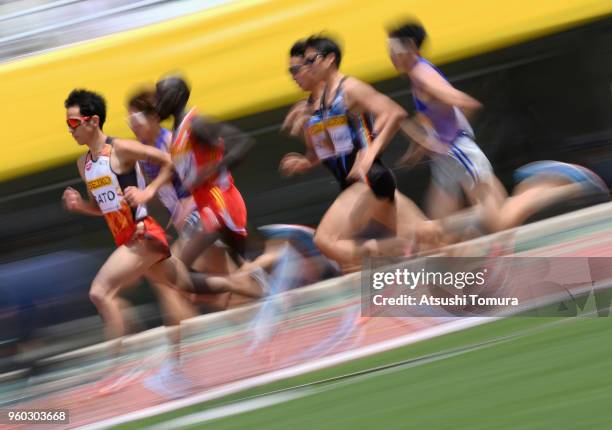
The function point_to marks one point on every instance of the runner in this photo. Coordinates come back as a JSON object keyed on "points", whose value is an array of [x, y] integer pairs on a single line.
{"points": [[458, 164], [143, 121], [290, 259], [340, 134], [300, 113], [117, 191], [204, 152], [543, 184], [184, 215], [540, 186]]}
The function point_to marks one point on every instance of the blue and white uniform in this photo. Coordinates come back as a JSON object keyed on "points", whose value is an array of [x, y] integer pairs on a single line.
{"points": [[464, 165], [173, 195], [572, 173], [337, 136], [301, 238]]}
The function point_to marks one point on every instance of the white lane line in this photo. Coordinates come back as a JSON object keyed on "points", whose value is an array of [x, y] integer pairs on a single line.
{"points": [[289, 372], [232, 409], [292, 393]]}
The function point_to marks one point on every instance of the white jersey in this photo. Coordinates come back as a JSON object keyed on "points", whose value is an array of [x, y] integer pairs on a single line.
{"points": [[108, 188]]}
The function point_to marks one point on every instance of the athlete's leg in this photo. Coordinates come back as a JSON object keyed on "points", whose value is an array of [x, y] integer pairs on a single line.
{"points": [[534, 198], [546, 183], [214, 260], [464, 170], [165, 275], [444, 194], [412, 227], [488, 196], [169, 381], [173, 304], [440, 203], [173, 272], [527, 200], [347, 215], [124, 266], [223, 217], [236, 246], [175, 308], [242, 283], [235, 283], [197, 244]]}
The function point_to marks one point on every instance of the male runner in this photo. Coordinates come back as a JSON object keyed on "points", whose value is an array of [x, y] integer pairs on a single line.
{"points": [[117, 191], [458, 164], [340, 134]]}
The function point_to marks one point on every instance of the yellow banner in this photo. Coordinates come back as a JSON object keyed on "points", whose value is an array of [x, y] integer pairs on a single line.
{"points": [[236, 59]]}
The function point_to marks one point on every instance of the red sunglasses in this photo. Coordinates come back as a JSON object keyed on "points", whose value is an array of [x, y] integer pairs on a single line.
{"points": [[75, 122]]}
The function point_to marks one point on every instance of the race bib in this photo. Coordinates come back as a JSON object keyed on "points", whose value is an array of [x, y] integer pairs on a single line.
{"points": [[320, 142], [336, 129], [106, 194]]}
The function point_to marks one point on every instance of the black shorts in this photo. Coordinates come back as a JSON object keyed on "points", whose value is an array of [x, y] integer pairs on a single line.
{"points": [[382, 181]]}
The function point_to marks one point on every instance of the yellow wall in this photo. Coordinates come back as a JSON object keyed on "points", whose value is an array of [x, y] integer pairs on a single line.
{"points": [[235, 57]]}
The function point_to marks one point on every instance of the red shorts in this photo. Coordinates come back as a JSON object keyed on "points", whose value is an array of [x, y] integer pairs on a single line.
{"points": [[150, 231], [221, 209]]}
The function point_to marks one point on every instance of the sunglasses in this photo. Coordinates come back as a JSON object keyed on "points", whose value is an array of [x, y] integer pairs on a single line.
{"points": [[310, 61], [75, 122], [294, 70]]}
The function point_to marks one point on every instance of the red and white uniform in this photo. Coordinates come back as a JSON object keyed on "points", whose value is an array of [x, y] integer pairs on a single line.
{"points": [[219, 201], [107, 188]]}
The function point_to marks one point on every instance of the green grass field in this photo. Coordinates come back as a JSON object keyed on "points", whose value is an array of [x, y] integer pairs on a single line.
{"points": [[517, 373]]}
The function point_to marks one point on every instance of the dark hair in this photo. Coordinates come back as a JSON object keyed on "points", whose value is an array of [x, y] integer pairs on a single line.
{"points": [[298, 48], [172, 93], [206, 130], [409, 31], [89, 104], [143, 101], [324, 46]]}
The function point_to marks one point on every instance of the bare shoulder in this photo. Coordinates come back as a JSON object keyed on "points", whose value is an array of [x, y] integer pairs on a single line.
{"points": [[352, 84], [81, 161], [125, 153], [81, 164], [356, 94], [425, 72], [120, 144]]}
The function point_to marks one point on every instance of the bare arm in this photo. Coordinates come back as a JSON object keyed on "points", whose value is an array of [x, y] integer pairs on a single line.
{"points": [[72, 198], [295, 123], [237, 144], [132, 151], [296, 118], [264, 261], [429, 81], [388, 116], [295, 163], [412, 156], [419, 129]]}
